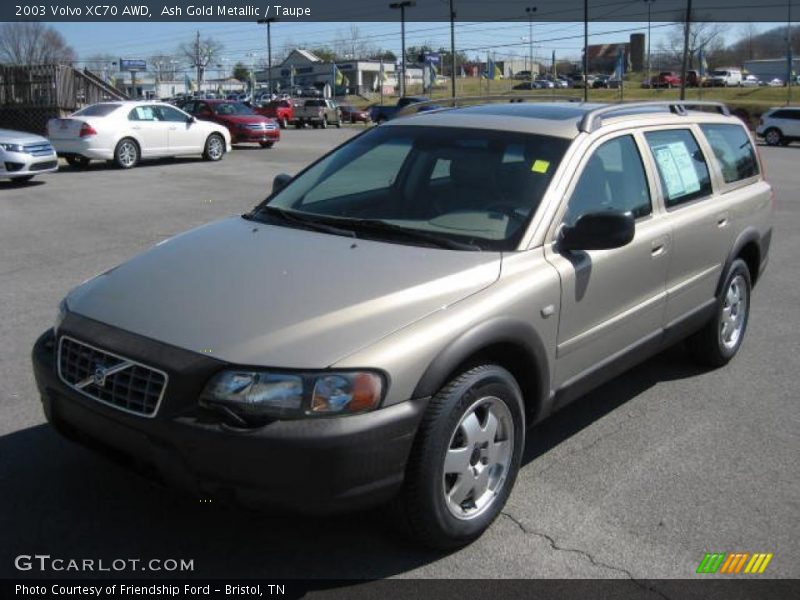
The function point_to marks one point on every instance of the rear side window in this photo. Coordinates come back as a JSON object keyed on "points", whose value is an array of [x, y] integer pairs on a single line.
{"points": [[681, 166], [143, 113], [733, 150], [786, 114]]}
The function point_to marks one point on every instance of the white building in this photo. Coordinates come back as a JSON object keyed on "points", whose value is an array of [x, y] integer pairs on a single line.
{"points": [[304, 69], [146, 86], [771, 68]]}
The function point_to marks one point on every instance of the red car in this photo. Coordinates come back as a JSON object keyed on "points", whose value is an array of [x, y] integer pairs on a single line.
{"points": [[244, 124], [667, 79], [351, 114], [280, 110]]}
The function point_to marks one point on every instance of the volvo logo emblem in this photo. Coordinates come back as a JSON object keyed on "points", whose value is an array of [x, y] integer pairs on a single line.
{"points": [[100, 374]]}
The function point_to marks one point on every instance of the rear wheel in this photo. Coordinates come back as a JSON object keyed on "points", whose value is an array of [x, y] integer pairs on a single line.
{"points": [[720, 340], [464, 460], [324, 123], [126, 154], [773, 137], [215, 147]]}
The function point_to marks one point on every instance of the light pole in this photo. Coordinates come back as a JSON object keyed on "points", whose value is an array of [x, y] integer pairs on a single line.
{"points": [[269, 21], [685, 64], [649, 6], [530, 10], [402, 6], [452, 49], [585, 50]]}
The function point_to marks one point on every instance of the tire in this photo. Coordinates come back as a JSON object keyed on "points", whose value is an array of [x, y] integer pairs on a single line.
{"points": [[266, 144], [126, 154], [381, 120], [284, 123], [298, 125], [324, 123], [215, 147], [773, 136], [76, 161], [339, 123], [437, 507], [23, 179], [720, 339]]}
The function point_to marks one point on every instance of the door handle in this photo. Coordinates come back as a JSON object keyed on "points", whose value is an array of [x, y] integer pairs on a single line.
{"points": [[722, 220], [658, 247], [136, 127]]}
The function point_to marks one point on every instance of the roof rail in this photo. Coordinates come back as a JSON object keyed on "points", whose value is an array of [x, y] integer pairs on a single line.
{"points": [[592, 119], [445, 103]]}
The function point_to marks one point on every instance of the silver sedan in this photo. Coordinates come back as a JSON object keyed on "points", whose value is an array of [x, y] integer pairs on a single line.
{"points": [[24, 155]]}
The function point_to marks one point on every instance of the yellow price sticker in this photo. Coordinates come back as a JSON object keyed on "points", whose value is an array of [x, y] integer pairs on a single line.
{"points": [[540, 166]]}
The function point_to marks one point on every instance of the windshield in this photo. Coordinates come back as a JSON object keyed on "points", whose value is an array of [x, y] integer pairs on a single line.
{"points": [[474, 187], [719, 73], [232, 108]]}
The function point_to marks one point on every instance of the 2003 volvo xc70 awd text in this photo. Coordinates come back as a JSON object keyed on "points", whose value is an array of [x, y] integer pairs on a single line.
{"points": [[389, 321]]}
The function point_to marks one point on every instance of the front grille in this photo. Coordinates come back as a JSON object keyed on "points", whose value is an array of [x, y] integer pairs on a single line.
{"points": [[43, 165], [110, 378], [42, 149]]}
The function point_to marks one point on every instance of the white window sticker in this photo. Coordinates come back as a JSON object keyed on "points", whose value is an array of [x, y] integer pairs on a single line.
{"points": [[677, 169]]}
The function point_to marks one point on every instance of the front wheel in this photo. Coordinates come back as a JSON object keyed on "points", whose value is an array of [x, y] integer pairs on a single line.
{"points": [[215, 147], [324, 123], [464, 460], [284, 123], [773, 137], [126, 154], [720, 340]]}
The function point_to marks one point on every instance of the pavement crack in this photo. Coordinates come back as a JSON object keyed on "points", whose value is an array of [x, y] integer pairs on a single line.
{"points": [[587, 555]]}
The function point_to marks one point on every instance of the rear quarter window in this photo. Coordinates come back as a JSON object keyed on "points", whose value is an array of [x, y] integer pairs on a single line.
{"points": [[733, 151], [98, 110]]}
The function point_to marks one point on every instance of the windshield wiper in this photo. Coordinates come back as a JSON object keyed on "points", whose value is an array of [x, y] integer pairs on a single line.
{"points": [[379, 226], [302, 219]]}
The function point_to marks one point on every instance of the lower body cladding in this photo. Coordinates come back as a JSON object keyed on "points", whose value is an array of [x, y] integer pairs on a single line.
{"points": [[314, 466]]}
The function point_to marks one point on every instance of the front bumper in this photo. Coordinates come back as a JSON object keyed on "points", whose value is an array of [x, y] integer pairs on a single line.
{"points": [[315, 466], [255, 136], [22, 164]]}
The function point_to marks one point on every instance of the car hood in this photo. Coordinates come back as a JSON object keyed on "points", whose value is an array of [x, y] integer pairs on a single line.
{"points": [[9, 136], [257, 294]]}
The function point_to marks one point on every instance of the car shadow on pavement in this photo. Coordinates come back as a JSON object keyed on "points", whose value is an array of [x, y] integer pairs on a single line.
{"points": [[10, 185], [62, 500]]}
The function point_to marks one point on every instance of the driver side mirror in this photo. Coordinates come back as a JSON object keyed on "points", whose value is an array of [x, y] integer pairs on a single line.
{"points": [[598, 231], [190, 119], [281, 181]]}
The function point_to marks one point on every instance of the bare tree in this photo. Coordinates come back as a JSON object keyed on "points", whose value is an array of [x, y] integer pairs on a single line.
{"points": [[201, 53], [163, 66], [702, 34], [101, 63], [33, 43]]}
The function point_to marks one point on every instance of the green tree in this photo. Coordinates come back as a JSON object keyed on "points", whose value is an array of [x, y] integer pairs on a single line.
{"points": [[241, 72]]}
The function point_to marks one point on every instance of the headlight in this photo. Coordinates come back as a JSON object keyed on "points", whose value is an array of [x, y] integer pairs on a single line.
{"points": [[13, 147], [291, 395], [61, 315]]}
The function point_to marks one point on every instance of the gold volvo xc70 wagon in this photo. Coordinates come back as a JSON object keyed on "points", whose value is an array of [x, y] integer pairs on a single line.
{"points": [[388, 322]]}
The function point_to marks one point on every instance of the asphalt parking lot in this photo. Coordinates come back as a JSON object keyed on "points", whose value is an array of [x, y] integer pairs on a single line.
{"points": [[636, 480]]}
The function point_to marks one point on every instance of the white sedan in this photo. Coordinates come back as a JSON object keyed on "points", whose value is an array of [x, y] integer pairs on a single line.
{"points": [[128, 131], [24, 155]]}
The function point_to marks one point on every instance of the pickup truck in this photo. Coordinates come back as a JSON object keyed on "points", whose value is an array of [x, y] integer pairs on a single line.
{"points": [[382, 112], [319, 112], [280, 110]]}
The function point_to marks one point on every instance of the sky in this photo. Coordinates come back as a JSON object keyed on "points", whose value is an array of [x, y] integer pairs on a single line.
{"points": [[246, 42]]}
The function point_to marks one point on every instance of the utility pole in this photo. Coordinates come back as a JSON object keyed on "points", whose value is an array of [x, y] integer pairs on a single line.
{"points": [[269, 21], [402, 6], [789, 53], [649, 21], [197, 62], [530, 10], [585, 50], [452, 50], [685, 64]]}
